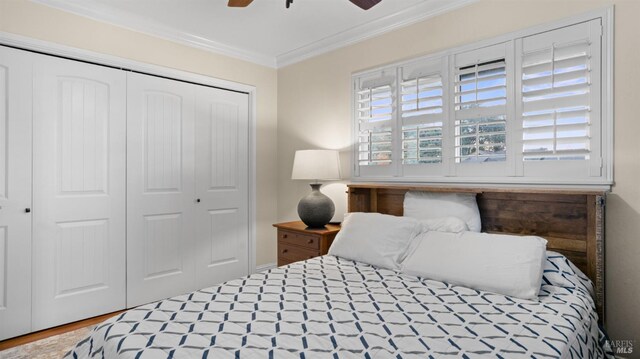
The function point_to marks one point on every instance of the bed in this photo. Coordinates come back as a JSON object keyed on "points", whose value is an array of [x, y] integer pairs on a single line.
{"points": [[329, 307]]}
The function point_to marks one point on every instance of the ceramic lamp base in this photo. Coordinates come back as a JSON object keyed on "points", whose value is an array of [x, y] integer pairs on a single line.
{"points": [[316, 209]]}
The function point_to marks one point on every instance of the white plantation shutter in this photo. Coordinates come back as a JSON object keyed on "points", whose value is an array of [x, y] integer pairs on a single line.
{"points": [[375, 146], [557, 74], [533, 107], [422, 112], [481, 88], [480, 91], [375, 105], [375, 113]]}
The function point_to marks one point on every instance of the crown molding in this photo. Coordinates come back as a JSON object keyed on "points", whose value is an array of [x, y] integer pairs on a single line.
{"points": [[409, 16], [149, 27], [73, 53]]}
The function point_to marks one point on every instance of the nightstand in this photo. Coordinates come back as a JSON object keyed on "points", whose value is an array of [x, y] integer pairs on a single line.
{"points": [[297, 243]]}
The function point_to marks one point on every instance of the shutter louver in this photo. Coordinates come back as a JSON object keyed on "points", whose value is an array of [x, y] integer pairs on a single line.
{"points": [[374, 109], [375, 147], [422, 115], [422, 100], [480, 112], [375, 105], [556, 89]]}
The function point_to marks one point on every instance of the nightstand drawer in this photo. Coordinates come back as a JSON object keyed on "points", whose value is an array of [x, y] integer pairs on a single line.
{"points": [[297, 242], [299, 239], [292, 253]]}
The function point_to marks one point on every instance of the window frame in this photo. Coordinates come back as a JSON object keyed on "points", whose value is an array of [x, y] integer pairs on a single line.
{"points": [[430, 170], [486, 169], [592, 167], [378, 76], [450, 173]]}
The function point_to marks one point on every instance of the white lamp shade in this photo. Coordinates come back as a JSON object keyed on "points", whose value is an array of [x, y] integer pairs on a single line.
{"points": [[316, 165]]}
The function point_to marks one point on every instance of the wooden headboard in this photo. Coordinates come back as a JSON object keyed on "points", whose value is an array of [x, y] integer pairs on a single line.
{"points": [[571, 221]]}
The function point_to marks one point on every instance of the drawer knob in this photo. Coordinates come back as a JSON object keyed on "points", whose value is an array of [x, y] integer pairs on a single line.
{"points": [[310, 241], [284, 251], [285, 236]]}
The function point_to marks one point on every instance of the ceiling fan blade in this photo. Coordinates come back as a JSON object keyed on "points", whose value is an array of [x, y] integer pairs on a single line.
{"points": [[365, 4], [239, 3]]}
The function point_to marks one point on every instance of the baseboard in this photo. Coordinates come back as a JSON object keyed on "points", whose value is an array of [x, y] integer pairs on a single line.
{"points": [[265, 267]]}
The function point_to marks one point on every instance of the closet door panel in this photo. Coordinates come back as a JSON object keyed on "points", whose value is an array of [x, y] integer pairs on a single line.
{"points": [[15, 193], [222, 233], [79, 191], [160, 226]]}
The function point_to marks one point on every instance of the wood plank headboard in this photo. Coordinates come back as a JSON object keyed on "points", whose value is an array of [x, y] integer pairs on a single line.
{"points": [[571, 221]]}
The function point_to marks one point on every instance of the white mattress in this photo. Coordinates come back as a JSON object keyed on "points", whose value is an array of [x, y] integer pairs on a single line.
{"points": [[328, 307]]}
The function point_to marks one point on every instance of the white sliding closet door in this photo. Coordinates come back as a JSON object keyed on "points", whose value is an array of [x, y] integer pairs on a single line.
{"points": [[79, 191], [222, 231], [160, 183], [15, 193]]}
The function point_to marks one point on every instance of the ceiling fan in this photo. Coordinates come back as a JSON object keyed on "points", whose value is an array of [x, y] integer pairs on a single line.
{"points": [[363, 4]]}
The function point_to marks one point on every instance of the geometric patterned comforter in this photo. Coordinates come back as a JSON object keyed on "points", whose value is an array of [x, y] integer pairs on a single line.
{"points": [[329, 307]]}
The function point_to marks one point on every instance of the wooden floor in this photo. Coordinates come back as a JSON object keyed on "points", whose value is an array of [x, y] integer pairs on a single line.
{"points": [[32, 337]]}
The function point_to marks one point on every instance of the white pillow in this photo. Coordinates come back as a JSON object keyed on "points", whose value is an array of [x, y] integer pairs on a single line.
{"points": [[444, 224], [504, 264], [374, 238], [431, 205]]}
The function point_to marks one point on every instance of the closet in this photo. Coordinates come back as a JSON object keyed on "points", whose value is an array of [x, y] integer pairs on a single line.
{"points": [[187, 204], [79, 189], [15, 193], [116, 189]]}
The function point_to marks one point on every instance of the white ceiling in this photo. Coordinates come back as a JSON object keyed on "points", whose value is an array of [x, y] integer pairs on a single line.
{"points": [[265, 32]]}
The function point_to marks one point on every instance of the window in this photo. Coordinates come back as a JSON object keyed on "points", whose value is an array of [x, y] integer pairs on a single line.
{"points": [[480, 117], [481, 105], [375, 146], [375, 104], [422, 144], [526, 109], [481, 137], [560, 108], [555, 93], [559, 102], [422, 110], [422, 120]]}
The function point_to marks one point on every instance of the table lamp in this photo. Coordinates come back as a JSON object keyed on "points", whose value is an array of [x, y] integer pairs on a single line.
{"points": [[316, 209]]}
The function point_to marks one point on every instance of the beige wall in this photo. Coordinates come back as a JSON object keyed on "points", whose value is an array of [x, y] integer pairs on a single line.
{"points": [[40, 22], [314, 111], [307, 105]]}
